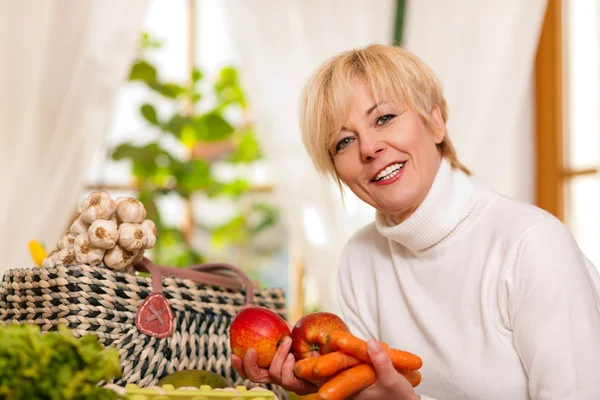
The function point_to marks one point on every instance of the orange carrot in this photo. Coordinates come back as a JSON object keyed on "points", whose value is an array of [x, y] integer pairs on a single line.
{"points": [[332, 363], [350, 344], [317, 381], [304, 368], [347, 382], [411, 375]]}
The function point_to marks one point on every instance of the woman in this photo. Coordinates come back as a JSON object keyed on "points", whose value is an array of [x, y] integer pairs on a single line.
{"points": [[493, 294]]}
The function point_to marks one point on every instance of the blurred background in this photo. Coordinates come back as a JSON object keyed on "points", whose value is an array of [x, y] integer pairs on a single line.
{"points": [[191, 106]]}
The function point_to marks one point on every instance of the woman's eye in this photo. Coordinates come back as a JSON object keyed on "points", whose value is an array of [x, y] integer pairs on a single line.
{"points": [[342, 144], [384, 119]]}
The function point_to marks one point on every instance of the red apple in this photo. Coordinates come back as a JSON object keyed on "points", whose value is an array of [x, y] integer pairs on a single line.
{"points": [[258, 328], [306, 334]]}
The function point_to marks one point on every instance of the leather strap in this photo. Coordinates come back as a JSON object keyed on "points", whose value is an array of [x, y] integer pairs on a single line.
{"points": [[201, 273]]}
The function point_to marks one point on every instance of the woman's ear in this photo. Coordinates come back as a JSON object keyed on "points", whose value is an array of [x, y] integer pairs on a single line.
{"points": [[439, 130]]}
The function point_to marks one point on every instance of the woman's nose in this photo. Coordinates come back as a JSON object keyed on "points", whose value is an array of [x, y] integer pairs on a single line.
{"points": [[371, 150]]}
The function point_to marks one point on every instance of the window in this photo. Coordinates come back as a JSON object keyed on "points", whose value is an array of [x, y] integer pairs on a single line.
{"points": [[582, 194], [567, 119]]}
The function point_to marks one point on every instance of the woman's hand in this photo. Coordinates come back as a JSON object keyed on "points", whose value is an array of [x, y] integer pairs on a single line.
{"points": [[280, 372], [390, 384]]}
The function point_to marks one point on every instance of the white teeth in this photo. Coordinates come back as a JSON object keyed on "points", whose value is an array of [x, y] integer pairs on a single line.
{"points": [[389, 172]]}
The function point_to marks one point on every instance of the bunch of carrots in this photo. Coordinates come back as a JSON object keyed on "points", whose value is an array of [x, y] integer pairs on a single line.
{"points": [[348, 369]]}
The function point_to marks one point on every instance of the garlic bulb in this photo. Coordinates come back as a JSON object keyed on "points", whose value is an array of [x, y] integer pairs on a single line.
{"points": [[151, 232], [114, 219], [130, 210], [66, 241], [85, 253], [66, 257], [78, 226], [118, 258], [132, 237], [103, 234], [138, 257], [98, 205], [50, 259]]}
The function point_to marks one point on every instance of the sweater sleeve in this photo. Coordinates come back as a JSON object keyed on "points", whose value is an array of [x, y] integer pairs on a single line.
{"points": [[553, 309], [349, 303]]}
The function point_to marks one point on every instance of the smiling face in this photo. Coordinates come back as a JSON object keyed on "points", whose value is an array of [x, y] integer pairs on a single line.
{"points": [[386, 154]]}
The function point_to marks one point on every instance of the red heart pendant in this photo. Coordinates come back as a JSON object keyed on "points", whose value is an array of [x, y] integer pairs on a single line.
{"points": [[155, 317]]}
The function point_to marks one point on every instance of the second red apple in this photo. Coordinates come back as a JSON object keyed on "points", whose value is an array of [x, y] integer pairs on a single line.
{"points": [[306, 334]]}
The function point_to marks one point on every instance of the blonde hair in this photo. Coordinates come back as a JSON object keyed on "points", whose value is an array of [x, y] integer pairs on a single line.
{"points": [[393, 74]]}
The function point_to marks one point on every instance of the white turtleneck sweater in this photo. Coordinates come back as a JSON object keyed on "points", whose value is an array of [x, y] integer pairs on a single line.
{"points": [[494, 295]]}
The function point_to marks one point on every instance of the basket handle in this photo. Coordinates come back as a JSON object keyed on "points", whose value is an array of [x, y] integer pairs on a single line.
{"points": [[202, 273]]}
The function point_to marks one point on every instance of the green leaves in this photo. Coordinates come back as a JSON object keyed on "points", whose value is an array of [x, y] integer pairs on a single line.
{"points": [[149, 113], [212, 127], [54, 365], [243, 227], [175, 124], [144, 159], [169, 90], [196, 75], [192, 176], [247, 148], [209, 127], [173, 250], [147, 42], [142, 71], [234, 189], [267, 217], [233, 231], [228, 90]]}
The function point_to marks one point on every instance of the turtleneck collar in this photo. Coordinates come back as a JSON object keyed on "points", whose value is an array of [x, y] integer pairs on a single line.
{"points": [[444, 207]]}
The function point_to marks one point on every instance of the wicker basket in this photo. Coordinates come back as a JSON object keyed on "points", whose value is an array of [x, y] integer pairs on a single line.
{"points": [[200, 305]]}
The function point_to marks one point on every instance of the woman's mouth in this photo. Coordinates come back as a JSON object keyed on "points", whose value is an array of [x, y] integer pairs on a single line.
{"points": [[389, 174]]}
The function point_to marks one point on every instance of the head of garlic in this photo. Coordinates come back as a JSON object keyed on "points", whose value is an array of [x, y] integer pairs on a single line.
{"points": [[118, 258], [98, 205], [151, 233], [103, 234], [132, 237], [66, 241], [85, 253], [114, 218], [78, 226], [139, 256], [130, 210], [66, 257], [50, 259]]}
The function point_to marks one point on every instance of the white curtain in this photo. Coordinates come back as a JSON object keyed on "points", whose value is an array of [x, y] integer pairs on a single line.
{"points": [[62, 64], [279, 43], [484, 52]]}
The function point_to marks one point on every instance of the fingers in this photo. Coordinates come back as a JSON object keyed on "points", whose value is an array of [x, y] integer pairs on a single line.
{"points": [[288, 378], [238, 366], [280, 357], [253, 371], [386, 373], [387, 376], [281, 370]]}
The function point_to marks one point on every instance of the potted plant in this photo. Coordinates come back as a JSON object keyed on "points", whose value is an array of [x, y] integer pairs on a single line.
{"points": [[201, 125]]}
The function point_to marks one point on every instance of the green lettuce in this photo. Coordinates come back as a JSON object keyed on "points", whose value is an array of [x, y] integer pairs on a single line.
{"points": [[54, 365]]}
